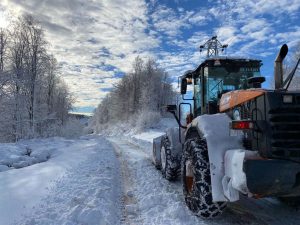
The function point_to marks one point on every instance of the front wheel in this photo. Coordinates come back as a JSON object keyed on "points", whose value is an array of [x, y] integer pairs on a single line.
{"points": [[196, 180]]}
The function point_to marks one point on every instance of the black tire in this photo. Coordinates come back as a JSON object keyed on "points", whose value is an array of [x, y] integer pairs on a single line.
{"points": [[170, 166], [155, 159], [196, 181]]}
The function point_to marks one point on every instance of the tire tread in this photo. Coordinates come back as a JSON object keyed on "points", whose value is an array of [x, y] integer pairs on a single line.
{"points": [[199, 200]]}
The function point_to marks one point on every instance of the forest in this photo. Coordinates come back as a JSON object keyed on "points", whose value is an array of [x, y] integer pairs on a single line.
{"points": [[34, 100]]}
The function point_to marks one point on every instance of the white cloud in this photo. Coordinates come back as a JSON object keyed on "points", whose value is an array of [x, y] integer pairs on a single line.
{"points": [[197, 39], [249, 26], [226, 34], [199, 18], [235, 11], [254, 25], [291, 37], [170, 22], [79, 29]]}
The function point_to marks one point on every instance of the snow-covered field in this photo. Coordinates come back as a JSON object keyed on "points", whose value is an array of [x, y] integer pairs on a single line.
{"points": [[105, 180]]}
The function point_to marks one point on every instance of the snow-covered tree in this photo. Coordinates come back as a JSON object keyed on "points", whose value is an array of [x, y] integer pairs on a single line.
{"points": [[146, 89], [34, 101]]}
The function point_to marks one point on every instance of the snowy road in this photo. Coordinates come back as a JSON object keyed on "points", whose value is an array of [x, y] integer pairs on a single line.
{"points": [[94, 180]]}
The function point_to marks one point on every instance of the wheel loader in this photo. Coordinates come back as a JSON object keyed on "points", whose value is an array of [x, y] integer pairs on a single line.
{"points": [[238, 139]]}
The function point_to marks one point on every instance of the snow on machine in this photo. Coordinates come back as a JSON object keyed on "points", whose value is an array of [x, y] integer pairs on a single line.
{"points": [[239, 138]]}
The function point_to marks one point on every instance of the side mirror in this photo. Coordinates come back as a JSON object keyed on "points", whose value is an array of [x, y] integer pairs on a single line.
{"points": [[171, 108], [183, 86]]}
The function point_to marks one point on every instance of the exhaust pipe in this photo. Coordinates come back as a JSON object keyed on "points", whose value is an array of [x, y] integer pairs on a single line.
{"points": [[278, 70]]}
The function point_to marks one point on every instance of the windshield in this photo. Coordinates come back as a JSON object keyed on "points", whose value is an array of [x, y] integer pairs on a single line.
{"points": [[220, 81]]}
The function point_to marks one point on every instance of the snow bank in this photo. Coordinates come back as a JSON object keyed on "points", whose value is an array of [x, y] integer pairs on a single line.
{"points": [[150, 122], [15, 156], [145, 138], [147, 120]]}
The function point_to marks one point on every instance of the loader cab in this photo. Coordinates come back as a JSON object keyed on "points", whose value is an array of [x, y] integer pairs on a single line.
{"points": [[216, 76]]}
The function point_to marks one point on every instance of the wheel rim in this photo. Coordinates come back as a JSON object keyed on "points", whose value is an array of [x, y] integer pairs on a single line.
{"points": [[189, 176], [163, 157]]}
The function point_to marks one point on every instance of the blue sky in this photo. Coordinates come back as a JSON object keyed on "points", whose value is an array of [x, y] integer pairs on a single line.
{"points": [[96, 41]]}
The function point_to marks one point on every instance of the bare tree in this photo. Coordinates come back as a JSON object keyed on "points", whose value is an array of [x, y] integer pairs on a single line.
{"points": [[3, 58], [3, 47], [18, 54], [35, 45]]}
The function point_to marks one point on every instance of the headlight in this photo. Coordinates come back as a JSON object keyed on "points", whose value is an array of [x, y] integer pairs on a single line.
{"points": [[287, 98]]}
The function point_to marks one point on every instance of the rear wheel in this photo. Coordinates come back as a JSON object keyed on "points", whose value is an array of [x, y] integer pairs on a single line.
{"points": [[169, 165], [196, 180]]}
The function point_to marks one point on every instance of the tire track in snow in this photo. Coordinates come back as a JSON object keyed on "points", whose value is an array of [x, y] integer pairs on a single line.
{"points": [[130, 207]]}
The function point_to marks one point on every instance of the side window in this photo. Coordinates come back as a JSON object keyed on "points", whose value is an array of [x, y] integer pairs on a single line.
{"points": [[197, 95], [215, 87]]}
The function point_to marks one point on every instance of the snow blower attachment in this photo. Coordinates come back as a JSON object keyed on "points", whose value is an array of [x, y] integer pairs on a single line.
{"points": [[239, 138]]}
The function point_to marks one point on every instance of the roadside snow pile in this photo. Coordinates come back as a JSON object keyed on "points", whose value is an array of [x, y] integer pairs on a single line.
{"points": [[150, 122], [15, 156], [145, 137], [147, 120]]}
